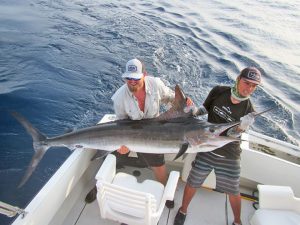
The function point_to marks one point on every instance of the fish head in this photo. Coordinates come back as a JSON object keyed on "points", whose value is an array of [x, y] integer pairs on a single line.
{"points": [[208, 136]]}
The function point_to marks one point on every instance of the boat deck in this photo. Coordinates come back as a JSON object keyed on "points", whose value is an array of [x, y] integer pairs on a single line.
{"points": [[207, 207]]}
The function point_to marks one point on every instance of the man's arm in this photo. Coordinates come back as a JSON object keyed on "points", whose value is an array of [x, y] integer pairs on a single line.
{"points": [[202, 110], [195, 110], [118, 104]]}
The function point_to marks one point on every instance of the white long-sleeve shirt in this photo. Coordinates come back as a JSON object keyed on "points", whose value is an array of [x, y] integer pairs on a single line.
{"points": [[126, 104]]}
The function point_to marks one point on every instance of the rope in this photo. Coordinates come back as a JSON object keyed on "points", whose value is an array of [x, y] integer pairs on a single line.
{"points": [[226, 210], [10, 210]]}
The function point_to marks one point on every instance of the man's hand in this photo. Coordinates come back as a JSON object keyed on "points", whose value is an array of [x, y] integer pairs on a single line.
{"points": [[189, 102], [190, 107], [123, 150], [247, 121]]}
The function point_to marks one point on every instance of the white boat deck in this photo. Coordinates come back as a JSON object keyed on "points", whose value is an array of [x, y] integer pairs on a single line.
{"points": [[207, 207]]}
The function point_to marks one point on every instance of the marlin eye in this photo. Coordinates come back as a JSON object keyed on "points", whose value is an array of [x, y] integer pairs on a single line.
{"points": [[212, 130]]}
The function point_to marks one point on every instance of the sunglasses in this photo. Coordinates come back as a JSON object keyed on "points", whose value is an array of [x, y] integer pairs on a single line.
{"points": [[134, 79]]}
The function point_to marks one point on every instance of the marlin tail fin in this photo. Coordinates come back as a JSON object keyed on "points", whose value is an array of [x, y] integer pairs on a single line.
{"points": [[39, 145]]}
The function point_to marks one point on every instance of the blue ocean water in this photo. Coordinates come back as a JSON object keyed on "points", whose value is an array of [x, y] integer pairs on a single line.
{"points": [[61, 61]]}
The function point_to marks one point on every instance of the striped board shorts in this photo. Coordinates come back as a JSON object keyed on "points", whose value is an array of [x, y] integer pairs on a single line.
{"points": [[227, 172]]}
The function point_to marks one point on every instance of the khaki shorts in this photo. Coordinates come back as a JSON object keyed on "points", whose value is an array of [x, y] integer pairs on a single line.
{"points": [[143, 160], [151, 160]]}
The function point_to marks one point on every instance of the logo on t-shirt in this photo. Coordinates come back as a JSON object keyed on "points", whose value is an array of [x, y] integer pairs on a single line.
{"points": [[227, 109], [223, 114]]}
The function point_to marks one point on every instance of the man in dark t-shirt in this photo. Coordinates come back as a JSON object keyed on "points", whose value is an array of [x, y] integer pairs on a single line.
{"points": [[220, 109], [223, 105]]}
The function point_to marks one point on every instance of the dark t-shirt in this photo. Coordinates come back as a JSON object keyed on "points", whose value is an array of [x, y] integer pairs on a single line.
{"points": [[221, 110]]}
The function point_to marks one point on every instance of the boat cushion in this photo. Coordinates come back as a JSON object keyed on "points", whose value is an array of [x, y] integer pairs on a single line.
{"points": [[275, 217]]}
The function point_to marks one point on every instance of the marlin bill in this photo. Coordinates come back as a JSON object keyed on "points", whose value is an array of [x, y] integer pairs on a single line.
{"points": [[173, 132]]}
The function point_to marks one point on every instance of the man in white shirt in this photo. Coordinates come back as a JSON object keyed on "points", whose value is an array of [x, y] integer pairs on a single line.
{"points": [[140, 98]]}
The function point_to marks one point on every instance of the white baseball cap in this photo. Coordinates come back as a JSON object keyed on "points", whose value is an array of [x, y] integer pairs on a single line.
{"points": [[134, 69]]}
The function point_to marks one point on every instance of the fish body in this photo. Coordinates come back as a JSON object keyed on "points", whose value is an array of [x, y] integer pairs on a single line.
{"points": [[147, 136], [172, 132]]}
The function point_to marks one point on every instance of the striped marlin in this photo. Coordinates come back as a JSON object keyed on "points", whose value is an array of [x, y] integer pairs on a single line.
{"points": [[172, 132]]}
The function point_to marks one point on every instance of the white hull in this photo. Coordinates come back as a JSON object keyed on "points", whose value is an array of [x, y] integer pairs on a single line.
{"points": [[63, 193]]}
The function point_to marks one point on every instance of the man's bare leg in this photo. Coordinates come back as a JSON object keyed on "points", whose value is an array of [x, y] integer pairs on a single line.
{"points": [[160, 173], [235, 202], [188, 195]]}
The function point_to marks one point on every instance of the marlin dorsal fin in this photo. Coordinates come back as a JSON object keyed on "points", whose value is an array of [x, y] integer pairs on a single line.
{"points": [[177, 109]]}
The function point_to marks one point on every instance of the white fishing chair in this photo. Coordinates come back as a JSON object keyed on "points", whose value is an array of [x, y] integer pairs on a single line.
{"points": [[121, 198], [277, 206]]}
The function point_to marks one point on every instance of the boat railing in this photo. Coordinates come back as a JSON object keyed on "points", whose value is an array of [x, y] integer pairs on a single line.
{"points": [[274, 143]]}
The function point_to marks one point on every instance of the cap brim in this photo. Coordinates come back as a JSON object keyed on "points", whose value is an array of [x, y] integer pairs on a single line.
{"points": [[132, 75], [252, 81]]}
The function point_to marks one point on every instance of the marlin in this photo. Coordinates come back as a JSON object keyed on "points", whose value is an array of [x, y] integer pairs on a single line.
{"points": [[172, 132]]}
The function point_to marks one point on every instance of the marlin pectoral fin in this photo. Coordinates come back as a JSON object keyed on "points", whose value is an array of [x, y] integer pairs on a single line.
{"points": [[184, 156], [182, 150], [100, 154]]}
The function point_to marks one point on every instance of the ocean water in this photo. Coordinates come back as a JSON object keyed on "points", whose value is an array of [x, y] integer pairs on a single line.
{"points": [[61, 61]]}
